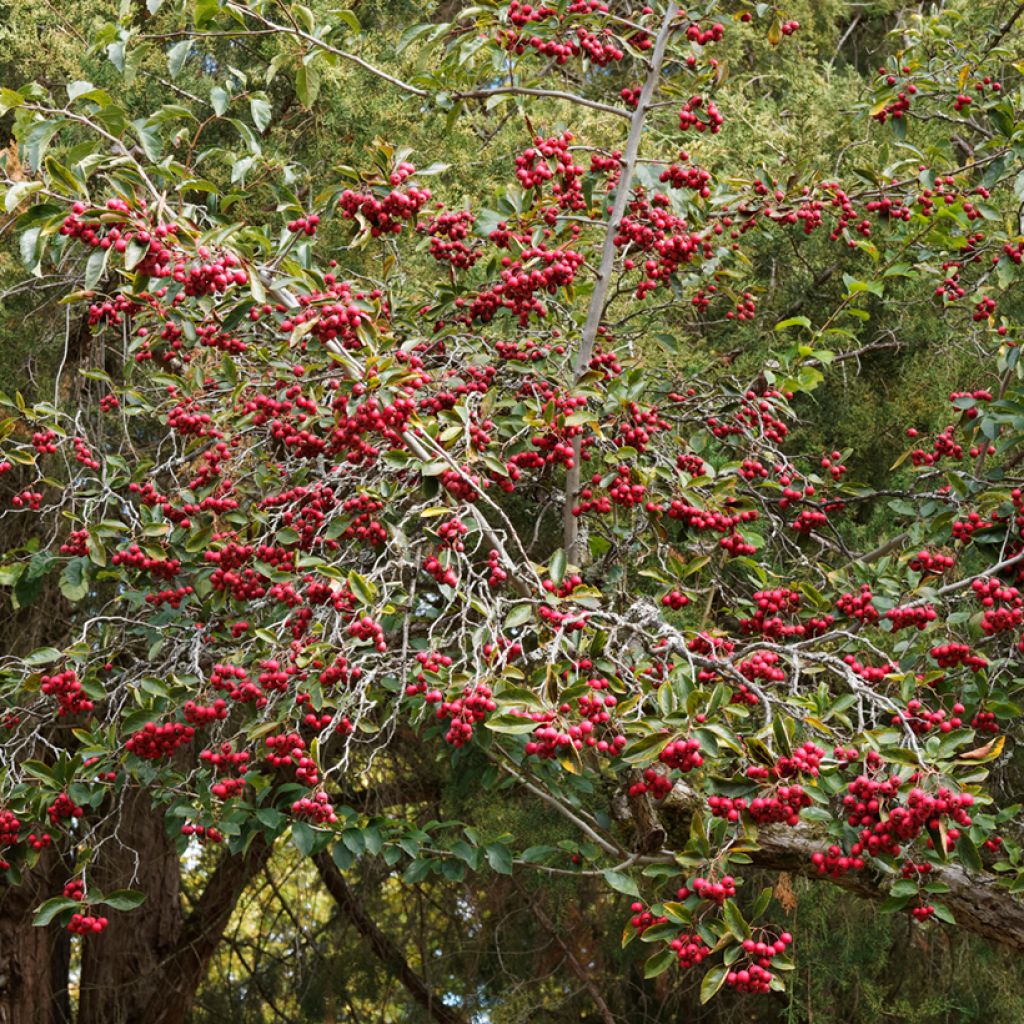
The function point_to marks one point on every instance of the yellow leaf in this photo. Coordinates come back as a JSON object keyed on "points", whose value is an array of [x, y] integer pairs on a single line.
{"points": [[989, 752]]}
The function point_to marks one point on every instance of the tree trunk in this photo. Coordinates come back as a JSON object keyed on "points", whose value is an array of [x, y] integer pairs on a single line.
{"points": [[148, 964], [33, 961], [181, 974], [121, 966]]}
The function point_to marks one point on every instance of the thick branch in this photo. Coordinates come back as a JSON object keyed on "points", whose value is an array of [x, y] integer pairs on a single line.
{"points": [[201, 932], [977, 902], [383, 948], [602, 285]]}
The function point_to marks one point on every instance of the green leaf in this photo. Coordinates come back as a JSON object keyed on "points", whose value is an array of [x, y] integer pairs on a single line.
{"points": [[30, 247], [19, 192], [59, 174], [349, 18], [41, 771], [647, 748], [558, 566], [303, 837], [969, 854], [307, 85], [74, 580], [793, 321], [94, 268], [519, 616], [124, 899], [734, 920], [712, 983], [43, 656], [761, 905], [219, 100], [261, 113], [500, 858], [361, 587], [115, 54], [9, 100], [177, 55], [38, 139], [513, 725], [659, 963], [621, 883], [51, 909]]}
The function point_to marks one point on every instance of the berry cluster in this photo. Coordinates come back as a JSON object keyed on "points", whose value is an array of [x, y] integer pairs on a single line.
{"points": [[67, 688]]}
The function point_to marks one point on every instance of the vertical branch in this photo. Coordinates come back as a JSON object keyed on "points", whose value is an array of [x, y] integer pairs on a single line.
{"points": [[602, 285], [383, 948], [580, 970]]}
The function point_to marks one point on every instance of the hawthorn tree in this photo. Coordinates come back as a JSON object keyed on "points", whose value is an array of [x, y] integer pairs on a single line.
{"points": [[372, 471]]}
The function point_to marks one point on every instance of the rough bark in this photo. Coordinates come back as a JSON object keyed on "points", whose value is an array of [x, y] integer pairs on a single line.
{"points": [[182, 973], [146, 967], [383, 948], [120, 965], [33, 961], [977, 902]]}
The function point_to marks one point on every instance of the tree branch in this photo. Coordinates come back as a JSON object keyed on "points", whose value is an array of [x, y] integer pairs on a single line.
{"points": [[602, 285], [383, 948], [978, 903]]}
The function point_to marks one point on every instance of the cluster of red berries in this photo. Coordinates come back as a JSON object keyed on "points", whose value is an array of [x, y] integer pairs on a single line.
{"points": [[366, 629], [763, 666], [63, 808], [712, 891], [756, 977], [67, 688], [134, 557], [225, 757], [931, 563], [643, 919], [690, 949], [1004, 609], [202, 833], [537, 271], [884, 829], [386, 213], [653, 782], [473, 707], [154, 742], [682, 755], [953, 654], [199, 714], [317, 809], [922, 720], [77, 544], [45, 441], [859, 606], [86, 924], [10, 827], [28, 498], [307, 225], [835, 863], [712, 120], [911, 616], [444, 576]]}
